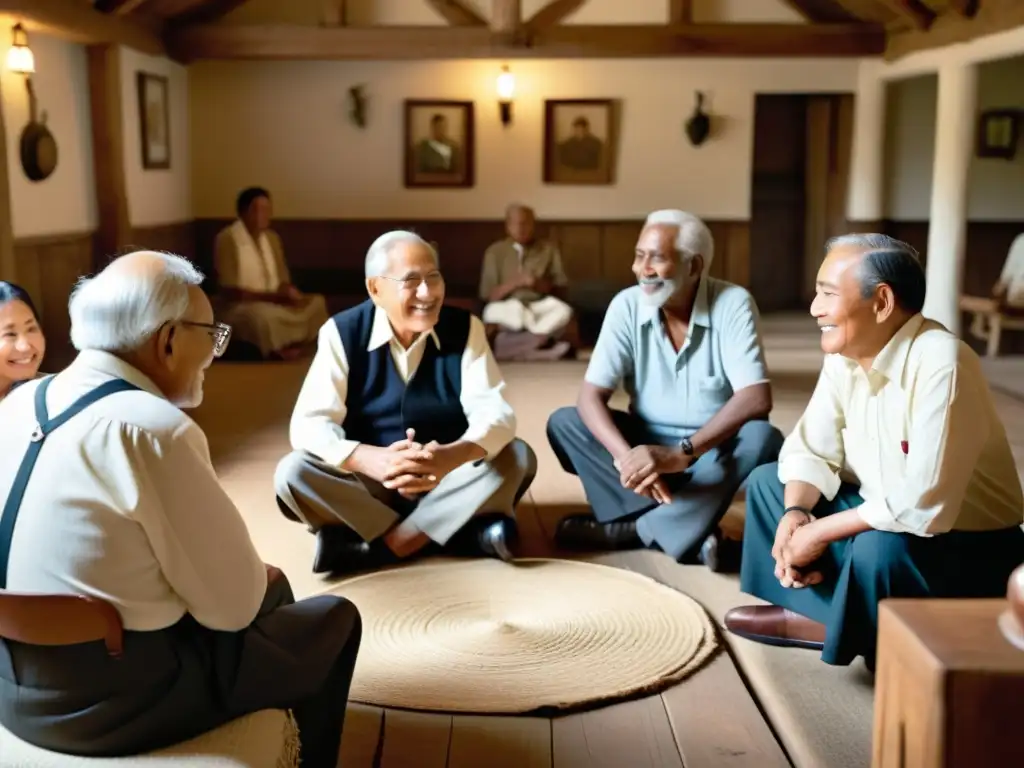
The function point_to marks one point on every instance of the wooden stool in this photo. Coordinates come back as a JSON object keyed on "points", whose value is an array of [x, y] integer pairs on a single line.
{"points": [[949, 687]]}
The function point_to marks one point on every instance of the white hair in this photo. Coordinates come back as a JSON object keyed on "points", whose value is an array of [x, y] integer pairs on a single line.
{"points": [[378, 257], [693, 237], [116, 310]]}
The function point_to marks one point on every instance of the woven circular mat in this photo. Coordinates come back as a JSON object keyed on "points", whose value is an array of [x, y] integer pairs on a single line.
{"points": [[488, 637]]}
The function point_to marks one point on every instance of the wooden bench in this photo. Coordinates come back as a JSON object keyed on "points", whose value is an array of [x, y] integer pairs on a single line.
{"points": [[993, 314], [267, 739]]}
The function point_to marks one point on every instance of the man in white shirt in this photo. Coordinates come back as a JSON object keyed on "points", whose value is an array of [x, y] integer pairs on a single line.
{"points": [[401, 433], [122, 504], [898, 480]]}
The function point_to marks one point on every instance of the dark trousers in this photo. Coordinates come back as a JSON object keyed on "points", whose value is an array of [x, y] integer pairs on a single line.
{"points": [[861, 571], [173, 684], [700, 496]]}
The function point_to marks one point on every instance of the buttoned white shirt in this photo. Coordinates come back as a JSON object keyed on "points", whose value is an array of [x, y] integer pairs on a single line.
{"points": [[918, 432], [124, 505], [320, 407]]}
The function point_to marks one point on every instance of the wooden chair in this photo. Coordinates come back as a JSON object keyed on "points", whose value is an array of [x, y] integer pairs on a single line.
{"points": [[266, 739], [60, 620], [991, 316]]}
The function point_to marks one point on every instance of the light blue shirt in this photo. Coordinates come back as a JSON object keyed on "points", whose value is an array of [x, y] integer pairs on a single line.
{"points": [[676, 393]]}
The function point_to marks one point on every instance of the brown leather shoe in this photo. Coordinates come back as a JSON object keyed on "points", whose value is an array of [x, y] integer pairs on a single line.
{"points": [[772, 625]]}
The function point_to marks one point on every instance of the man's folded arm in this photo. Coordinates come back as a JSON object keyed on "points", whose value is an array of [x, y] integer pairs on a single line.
{"points": [[813, 452]]}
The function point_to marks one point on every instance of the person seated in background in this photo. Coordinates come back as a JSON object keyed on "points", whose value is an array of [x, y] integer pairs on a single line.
{"points": [[123, 505], [687, 350], [256, 294], [524, 286], [401, 432], [897, 481], [22, 344]]}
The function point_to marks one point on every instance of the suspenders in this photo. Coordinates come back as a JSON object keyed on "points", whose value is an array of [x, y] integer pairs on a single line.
{"points": [[44, 426]]}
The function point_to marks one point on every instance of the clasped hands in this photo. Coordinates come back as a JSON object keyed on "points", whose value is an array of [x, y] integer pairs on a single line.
{"points": [[797, 545], [641, 469], [409, 467]]}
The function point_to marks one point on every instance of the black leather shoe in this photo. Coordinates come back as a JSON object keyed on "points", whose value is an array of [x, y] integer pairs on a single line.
{"points": [[584, 532], [485, 536], [340, 550], [720, 554]]}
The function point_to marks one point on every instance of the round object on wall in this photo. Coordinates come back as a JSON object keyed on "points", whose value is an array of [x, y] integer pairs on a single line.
{"points": [[38, 150]]}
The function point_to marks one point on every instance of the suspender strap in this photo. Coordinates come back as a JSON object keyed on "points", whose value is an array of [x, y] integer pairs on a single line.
{"points": [[44, 426]]}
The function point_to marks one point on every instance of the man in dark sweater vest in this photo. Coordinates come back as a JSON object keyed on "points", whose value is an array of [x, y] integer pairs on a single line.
{"points": [[401, 434]]}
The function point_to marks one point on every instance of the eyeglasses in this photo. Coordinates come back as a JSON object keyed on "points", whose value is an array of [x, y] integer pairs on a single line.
{"points": [[221, 333], [413, 282]]}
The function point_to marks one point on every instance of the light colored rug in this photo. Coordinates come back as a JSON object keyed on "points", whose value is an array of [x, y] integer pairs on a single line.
{"points": [[539, 635]]}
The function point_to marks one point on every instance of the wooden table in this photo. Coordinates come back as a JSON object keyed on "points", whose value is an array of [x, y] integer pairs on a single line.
{"points": [[949, 688]]}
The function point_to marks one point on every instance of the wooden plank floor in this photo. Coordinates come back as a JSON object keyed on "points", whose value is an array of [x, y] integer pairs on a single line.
{"points": [[709, 720]]}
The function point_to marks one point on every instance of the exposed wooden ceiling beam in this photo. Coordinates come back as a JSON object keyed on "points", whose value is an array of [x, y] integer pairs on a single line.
{"points": [[277, 42], [209, 11], [993, 16], [553, 13], [456, 14], [506, 17], [916, 12], [966, 8], [822, 11], [83, 24], [119, 7], [680, 11]]}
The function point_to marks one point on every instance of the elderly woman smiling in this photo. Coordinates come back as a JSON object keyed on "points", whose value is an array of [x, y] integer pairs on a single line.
{"points": [[22, 345]]}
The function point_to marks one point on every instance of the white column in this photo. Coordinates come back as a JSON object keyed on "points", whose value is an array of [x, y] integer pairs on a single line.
{"points": [[947, 231], [866, 194]]}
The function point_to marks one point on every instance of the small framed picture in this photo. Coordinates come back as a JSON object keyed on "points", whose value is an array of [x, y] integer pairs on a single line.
{"points": [[154, 120], [579, 141], [439, 144], [998, 133]]}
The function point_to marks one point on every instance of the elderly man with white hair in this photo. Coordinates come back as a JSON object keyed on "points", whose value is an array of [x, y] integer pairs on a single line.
{"points": [[110, 494], [687, 350], [403, 440]]}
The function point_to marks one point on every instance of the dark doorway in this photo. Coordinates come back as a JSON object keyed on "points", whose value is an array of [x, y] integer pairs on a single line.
{"points": [[798, 192]]}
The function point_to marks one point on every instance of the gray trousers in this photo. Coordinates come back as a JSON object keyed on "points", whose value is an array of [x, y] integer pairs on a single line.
{"points": [[176, 683], [700, 496], [320, 494]]}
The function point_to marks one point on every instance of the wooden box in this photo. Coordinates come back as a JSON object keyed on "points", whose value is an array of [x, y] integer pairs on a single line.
{"points": [[949, 687]]}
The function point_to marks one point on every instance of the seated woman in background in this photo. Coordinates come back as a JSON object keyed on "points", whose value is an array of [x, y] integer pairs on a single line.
{"points": [[22, 345], [256, 294]]}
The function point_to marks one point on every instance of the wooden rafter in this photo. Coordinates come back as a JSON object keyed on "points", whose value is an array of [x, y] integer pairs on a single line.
{"points": [[916, 12], [279, 42], [457, 14], [119, 7], [506, 17], [966, 8], [553, 13], [207, 12], [84, 24], [822, 11], [680, 11], [992, 16]]}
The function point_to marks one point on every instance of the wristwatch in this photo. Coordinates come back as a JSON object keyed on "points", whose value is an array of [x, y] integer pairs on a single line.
{"points": [[687, 446]]}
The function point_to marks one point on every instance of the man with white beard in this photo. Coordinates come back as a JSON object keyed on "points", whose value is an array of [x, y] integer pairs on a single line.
{"points": [[686, 349]]}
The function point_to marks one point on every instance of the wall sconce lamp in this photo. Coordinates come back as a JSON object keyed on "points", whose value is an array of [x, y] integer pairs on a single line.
{"points": [[506, 90], [19, 57]]}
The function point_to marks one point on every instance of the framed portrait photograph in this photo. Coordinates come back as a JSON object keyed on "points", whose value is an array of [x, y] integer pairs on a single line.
{"points": [[998, 133], [154, 120], [579, 141], [439, 144]]}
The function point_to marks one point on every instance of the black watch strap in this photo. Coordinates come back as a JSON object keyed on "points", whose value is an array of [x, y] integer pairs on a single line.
{"points": [[796, 508], [687, 446]]}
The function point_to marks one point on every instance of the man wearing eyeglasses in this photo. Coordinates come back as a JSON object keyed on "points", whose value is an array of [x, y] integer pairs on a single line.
{"points": [[109, 493], [401, 433]]}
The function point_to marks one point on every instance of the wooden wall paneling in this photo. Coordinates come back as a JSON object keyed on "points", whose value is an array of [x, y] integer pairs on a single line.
{"points": [[178, 238], [619, 248], [114, 230], [8, 264], [61, 260], [736, 252], [581, 249]]}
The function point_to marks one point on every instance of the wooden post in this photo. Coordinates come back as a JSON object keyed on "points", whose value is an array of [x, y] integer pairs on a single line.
{"points": [[333, 13], [114, 230], [8, 265]]}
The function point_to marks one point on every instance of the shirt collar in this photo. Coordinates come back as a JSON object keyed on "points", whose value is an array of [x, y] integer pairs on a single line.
{"points": [[382, 333], [892, 360], [109, 365], [699, 316]]}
